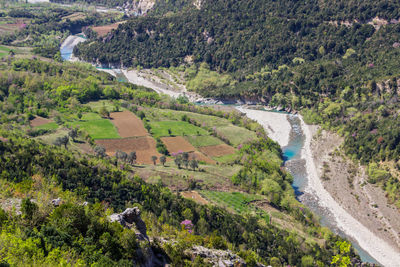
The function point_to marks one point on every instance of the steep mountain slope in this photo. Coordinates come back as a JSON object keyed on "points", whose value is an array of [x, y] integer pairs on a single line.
{"points": [[33, 173]]}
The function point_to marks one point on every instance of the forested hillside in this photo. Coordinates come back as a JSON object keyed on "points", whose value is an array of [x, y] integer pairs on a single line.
{"points": [[239, 36], [336, 61], [33, 172]]}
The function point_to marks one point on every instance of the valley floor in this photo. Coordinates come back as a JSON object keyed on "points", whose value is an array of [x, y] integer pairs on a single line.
{"points": [[361, 209]]}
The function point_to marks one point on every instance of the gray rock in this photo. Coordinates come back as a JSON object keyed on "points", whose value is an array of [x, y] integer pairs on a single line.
{"points": [[56, 202], [131, 218]]}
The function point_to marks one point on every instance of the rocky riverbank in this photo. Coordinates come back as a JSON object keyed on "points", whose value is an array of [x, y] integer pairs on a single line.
{"points": [[360, 209]]}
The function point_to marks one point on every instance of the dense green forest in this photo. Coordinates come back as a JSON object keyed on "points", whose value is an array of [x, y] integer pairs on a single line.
{"points": [[236, 36]]}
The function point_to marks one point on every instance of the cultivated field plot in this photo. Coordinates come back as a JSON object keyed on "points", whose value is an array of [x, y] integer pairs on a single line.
{"points": [[97, 127], [201, 157], [48, 126], [236, 135], [203, 140], [128, 124], [193, 195], [104, 30], [38, 121], [74, 16], [236, 201], [145, 147], [178, 128], [97, 105], [218, 150], [4, 51], [9, 25], [177, 144]]}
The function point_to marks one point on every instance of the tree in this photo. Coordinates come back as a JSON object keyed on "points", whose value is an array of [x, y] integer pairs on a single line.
{"points": [[73, 133], [187, 214], [100, 151], [121, 155], [185, 159], [63, 140], [28, 209], [163, 159], [104, 112], [79, 115], [194, 164], [178, 160], [132, 157], [169, 132], [342, 259], [141, 115], [154, 159]]}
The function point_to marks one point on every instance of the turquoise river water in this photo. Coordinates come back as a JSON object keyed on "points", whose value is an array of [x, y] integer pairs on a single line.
{"points": [[296, 165]]}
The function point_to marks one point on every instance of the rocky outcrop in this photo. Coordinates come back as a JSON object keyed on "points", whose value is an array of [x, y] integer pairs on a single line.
{"points": [[220, 258], [131, 219], [139, 7], [56, 202]]}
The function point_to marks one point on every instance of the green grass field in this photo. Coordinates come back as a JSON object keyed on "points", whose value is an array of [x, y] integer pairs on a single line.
{"points": [[236, 135], [48, 126], [226, 159], [97, 127], [236, 201], [203, 140], [97, 105], [4, 51], [90, 117], [178, 128]]}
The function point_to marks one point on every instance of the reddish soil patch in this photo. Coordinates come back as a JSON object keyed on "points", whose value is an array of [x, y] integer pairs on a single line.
{"points": [[85, 147], [177, 144], [218, 150], [104, 30], [37, 121], [193, 195], [145, 147], [201, 157], [128, 124]]}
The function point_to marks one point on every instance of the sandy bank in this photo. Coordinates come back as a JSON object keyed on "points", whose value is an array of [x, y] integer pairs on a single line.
{"points": [[384, 252], [276, 124], [72, 41], [137, 78]]}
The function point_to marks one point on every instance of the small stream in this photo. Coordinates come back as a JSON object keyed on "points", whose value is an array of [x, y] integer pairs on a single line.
{"points": [[296, 166]]}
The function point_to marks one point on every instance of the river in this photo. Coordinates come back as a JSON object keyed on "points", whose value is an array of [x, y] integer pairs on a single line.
{"points": [[295, 163]]}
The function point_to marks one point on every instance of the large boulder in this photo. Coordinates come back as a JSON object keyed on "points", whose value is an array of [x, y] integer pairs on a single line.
{"points": [[130, 218]]}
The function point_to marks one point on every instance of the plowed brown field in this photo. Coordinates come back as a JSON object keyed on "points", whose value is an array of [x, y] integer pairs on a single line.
{"points": [[37, 121], [128, 124], [145, 147], [177, 144], [104, 30], [201, 157], [218, 150]]}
